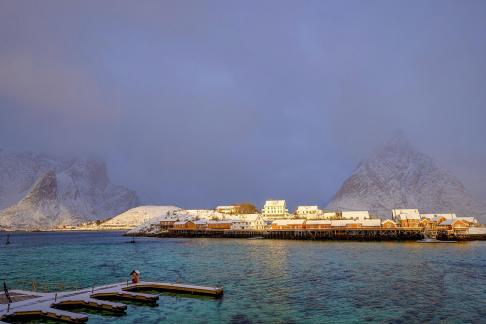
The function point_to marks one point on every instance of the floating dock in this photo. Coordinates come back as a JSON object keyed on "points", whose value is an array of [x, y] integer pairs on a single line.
{"points": [[177, 288], [36, 305]]}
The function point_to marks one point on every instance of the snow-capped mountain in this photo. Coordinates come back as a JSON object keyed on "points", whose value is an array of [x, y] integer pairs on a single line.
{"points": [[38, 191], [399, 176]]}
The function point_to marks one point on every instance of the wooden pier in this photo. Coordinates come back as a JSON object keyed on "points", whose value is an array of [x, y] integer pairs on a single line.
{"points": [[178, 288], [358, 234], [37, 305]]}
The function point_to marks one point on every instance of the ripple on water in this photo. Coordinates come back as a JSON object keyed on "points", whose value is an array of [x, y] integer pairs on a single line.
{"points": [[267, 281]]}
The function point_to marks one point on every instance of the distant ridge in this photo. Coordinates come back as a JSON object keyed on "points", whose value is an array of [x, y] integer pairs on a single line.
{"points": [[399, 176], [39, 191]]}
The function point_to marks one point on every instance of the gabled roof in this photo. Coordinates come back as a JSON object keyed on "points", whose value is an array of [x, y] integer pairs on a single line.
{"points": [[452, 221]]}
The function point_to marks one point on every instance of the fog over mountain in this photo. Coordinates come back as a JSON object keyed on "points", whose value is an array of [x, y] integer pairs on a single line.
{"points": [[399, 176], [197, 104], [39, 191]]}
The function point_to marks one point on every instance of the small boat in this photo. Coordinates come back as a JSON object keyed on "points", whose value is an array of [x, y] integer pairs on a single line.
{"points": [[433, 240]]}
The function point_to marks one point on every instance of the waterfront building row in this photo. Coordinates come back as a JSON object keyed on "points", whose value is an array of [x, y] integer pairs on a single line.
{"points": [[256, 222]]}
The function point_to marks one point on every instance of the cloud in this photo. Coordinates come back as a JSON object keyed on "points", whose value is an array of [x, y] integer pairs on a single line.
{"points": [[197, 104]]}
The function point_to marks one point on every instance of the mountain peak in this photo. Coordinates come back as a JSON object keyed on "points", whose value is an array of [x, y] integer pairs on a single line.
{"points": [[41, 191], [399, 176]]}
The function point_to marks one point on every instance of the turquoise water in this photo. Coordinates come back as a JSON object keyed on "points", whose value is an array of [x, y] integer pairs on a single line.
{"points": [[265, 281]]}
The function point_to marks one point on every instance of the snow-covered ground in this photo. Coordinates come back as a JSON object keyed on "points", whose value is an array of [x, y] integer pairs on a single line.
{"points": [[140, 215]]}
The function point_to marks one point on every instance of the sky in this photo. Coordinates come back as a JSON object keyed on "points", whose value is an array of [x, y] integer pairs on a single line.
{"points": [[202, 103]]}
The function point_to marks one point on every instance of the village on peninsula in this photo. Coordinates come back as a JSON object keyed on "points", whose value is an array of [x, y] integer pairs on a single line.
{"points": [[275, 221]]}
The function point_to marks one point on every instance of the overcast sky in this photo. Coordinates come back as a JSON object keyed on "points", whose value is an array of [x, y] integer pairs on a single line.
{"points": [[199, 103]]}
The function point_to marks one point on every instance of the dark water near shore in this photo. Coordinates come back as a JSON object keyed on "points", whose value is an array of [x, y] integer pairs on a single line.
{"points": [[265, 281]]}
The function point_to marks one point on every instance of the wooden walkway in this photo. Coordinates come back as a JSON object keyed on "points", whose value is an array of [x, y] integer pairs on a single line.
{"points": [[54, 305], [358, 234]]}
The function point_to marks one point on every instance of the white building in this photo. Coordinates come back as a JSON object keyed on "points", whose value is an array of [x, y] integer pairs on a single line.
{"points": [[311, 212], [438, 216], [239, 224], [413, 213], [356, 215], [328, 215], [275, 209], [227, 209], [194, 214], [256, 221]]}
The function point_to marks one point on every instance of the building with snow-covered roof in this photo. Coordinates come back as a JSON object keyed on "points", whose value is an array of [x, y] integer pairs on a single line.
{"points": [[408, 220], [471, 220], [456, 225], [227, 209], [201, 224], [355, 215], [256, 221], [397, 212], [317, 224], [275, 209], [371, 223], [184, 225], [283, 224], [388, 223], [438, 216], [220, 224], [199, 214], [309, 212], [347, 223], [328, 215], [240, 224]]}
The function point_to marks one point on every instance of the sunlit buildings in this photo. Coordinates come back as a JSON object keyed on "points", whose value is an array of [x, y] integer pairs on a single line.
{"points": [[275, 209]]}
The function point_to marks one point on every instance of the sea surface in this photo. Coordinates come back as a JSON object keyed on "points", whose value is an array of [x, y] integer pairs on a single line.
{"points": [[265, 281]]}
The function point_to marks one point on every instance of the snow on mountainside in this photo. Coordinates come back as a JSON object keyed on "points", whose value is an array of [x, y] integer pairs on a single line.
{"points": [[39, 191], [139, 215], [398, 176]]}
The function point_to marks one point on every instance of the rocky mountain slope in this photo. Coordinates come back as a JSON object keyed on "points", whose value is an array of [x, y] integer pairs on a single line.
{"points": [[399, 176], [38, 191]]}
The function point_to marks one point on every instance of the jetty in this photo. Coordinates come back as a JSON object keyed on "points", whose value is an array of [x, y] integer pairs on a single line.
{"points": [[20, 304]]}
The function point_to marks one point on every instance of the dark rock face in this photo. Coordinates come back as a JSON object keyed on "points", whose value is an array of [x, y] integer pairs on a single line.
{"points": [[398, 176], [48, 192]]}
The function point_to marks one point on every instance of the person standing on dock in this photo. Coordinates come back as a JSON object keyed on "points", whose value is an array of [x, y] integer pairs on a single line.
{"points": [[135, 275]]}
